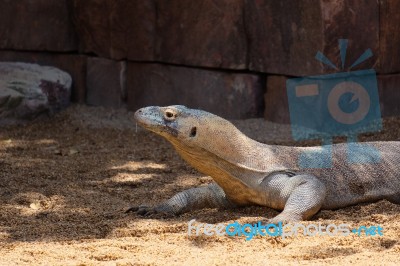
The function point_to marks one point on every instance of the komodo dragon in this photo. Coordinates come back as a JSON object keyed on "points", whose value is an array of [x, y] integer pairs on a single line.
{"points": [[247, 172]]}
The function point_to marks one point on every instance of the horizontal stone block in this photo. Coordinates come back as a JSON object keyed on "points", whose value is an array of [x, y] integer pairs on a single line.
{"points": [[105, 82], [389, 94], [230, 95], [74, 65], [276, 100], [202, 33], [263, 36], [389, 51], [116, 29], [285, 36], [39, 25]]}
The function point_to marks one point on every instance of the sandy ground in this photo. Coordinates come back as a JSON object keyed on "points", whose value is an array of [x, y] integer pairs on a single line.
{"points": [[66, 181]]}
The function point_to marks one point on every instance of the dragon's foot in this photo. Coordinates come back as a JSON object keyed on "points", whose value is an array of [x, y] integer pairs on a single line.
{"points": [[285, 218], [147, 211]]}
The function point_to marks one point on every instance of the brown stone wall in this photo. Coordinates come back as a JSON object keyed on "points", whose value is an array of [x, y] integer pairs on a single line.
{"points": [[232, 95], [40, 25], [221, 56]]}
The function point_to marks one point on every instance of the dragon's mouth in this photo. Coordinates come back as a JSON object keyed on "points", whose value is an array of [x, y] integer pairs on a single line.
{"points": [[147, 118], [151, 119]]}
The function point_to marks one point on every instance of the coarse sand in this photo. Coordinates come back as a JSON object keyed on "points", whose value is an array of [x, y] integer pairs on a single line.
{"points": [[66, 181]]}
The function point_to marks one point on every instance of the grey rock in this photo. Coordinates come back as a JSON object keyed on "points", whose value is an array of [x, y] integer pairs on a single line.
{"points": [[73, 64], [28, 90]]}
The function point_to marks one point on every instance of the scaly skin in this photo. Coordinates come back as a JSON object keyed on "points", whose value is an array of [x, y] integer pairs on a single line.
{"points": [[247, 172]]}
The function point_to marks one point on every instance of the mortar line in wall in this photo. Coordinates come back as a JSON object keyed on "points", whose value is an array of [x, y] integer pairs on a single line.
{"points": [[73, 52], [226, 70], [238, 71]]}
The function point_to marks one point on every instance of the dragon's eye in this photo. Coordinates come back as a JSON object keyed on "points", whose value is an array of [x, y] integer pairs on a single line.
{"points": [[169, 115]]}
